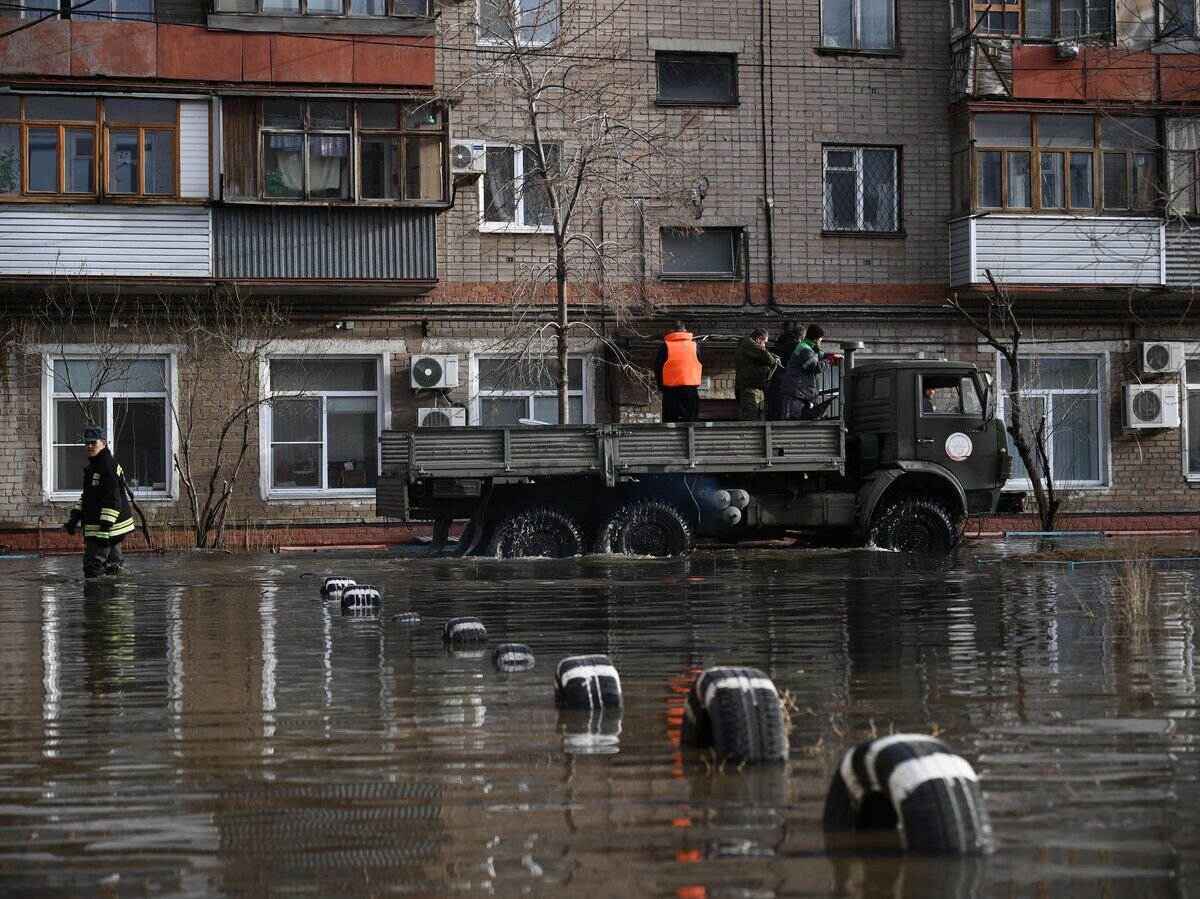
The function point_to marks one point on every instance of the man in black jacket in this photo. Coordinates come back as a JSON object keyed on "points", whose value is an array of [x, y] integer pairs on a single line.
{"points": [[103, 508]]}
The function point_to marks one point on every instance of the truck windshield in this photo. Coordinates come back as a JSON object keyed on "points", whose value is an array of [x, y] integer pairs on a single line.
{"points": [[950, 395]]}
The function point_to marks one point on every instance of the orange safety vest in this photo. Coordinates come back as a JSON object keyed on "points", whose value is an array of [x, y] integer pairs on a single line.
{"points": [[682, 368]]}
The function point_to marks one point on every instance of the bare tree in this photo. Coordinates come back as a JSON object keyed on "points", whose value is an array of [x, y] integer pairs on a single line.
{"points": [[1001, 330]]}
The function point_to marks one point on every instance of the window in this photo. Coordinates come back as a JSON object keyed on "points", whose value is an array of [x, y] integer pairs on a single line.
{"points": [[48, 147], [120, 10], [129, 399], [324, 7], [514, 389], [945, 395], [862, 189], [1064, 392], [697, 79], [1183, 165], [1050, 163], [513, 192], [998, 19], [323, 423], [701, 253], [334, 151], [520, 22], [1192, 413], [858, 25], [1064, 19], [1177, 18]]}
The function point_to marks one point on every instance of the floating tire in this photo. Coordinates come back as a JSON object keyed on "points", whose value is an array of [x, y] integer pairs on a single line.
{"points": [[512, 657], [407, 618], [465, 632], [914, 525], [646, 527], [917, 782], [333, 587], [737, 713], [537, 532], [587, 682], [361, 598]]}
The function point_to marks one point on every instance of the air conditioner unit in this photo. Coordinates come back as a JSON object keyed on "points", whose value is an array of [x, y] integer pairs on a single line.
{"points": [[433, 372], [442, 417], [468, 157], [1160, 358], [1151, 405]]}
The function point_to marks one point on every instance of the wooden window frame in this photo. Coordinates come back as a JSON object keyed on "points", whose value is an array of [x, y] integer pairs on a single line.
{"points": [[141, 128], [980, 8], [401, 133]]}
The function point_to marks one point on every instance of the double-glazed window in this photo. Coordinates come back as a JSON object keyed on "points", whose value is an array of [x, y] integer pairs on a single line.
{"points": [[697, 79], [514, 191], [862, 189], [1052, 162], [118, 10], [49, 147], [1064, 393], [522, 22], [126, 397], [858, 25], [1183, 165], [334, 151], [1192, 388], [323, 423], [1041, 19], [325, 7], [1177, 18], [700, 253], [514, 389]]}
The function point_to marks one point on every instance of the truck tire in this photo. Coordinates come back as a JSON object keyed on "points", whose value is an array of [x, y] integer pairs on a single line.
{"points": [[736, 712], [646, 527], [538, 531], [914, 525], [917, 782]]}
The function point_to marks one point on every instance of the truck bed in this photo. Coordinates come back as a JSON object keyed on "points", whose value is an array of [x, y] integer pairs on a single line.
{"points": [[613, 452]]}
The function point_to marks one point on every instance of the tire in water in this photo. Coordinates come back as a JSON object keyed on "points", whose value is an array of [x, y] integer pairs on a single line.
{"points": [[915, 525], [737, 713], [917, 782], [537, 532], [646, 527], [587, 682]]}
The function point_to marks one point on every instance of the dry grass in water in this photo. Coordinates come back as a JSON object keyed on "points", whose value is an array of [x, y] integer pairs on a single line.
{"points": [[1134, 593]]}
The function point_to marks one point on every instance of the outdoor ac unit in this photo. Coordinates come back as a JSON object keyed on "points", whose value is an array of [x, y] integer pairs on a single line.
{"points": [[1159, 358], [1151, 405], [468, 157], [434, 372], [442, 417]]}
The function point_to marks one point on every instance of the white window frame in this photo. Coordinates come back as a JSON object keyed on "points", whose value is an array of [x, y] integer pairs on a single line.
{"points": [[1104, 443], [859, 188], [77, 352], [516, 226], [478, 394], [1191, 352], [331, 350], [484, 39]]}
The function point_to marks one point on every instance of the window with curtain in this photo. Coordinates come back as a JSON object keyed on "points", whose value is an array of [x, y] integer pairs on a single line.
{"points": [[323, 423], [514, 191], [1064, 393], [520, 22], [511, 389], [858, 25]]}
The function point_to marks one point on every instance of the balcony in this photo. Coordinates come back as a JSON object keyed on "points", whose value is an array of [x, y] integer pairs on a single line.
{"points": [[1056, 251]]}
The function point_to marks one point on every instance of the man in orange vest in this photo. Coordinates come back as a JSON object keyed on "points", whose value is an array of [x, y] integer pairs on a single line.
{"points": [[679, 371]]}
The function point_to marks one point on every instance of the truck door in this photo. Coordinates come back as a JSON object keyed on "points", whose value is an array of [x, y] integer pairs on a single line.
{"points": [[949, 416]]}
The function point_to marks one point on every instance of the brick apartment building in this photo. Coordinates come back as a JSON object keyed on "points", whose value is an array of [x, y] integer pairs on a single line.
{"points": [[849, 162]]}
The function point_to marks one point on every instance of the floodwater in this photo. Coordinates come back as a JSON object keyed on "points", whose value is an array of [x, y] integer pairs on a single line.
{"points": [[206, 725]]}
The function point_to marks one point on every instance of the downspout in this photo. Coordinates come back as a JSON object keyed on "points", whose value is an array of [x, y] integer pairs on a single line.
{"points": [[768, 200]]}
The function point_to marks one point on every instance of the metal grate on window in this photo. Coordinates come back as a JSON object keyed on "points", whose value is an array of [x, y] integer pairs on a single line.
{"points": [[861, 189]]}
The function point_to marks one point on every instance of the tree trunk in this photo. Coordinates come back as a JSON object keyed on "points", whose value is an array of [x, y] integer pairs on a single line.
{"points": [[564, 381]]}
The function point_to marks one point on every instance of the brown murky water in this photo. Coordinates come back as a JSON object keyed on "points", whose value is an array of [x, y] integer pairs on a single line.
{"points": [[207, 726]]}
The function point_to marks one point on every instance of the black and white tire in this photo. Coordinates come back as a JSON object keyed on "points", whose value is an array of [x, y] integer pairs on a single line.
{"points": [[539, 532], [411, 618], [737, 713], [587, 682], [646, 527], [465, 632], [914, 525], [361, 598], [510, 657], [334, 587], [914, 782]]}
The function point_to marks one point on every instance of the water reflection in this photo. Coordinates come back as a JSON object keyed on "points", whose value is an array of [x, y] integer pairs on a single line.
{"points": [[216, 726]]}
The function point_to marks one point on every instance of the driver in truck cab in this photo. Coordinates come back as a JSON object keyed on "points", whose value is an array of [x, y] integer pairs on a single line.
{"points": [[801, 388]]}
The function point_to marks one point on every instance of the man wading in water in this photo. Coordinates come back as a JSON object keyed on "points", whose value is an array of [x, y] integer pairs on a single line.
{"points": [[103, 508]]}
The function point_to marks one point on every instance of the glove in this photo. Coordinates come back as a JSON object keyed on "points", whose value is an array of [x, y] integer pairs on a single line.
{"points": [[72, 524], [835, 358]]}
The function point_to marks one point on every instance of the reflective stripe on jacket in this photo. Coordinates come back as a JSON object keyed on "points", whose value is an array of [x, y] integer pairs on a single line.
{"points": [[682, 368], [103, 503]]}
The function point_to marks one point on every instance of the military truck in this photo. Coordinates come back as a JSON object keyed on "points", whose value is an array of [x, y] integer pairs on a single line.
{"points": [[906, 452]]}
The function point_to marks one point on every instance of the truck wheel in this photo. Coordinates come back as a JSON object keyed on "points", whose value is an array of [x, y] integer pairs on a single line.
{"points": [[646, 527], [914, 525], [539, 531]]}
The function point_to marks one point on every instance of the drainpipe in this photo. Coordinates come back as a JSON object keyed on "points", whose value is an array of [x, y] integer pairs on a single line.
{"points": [[768, 200]]}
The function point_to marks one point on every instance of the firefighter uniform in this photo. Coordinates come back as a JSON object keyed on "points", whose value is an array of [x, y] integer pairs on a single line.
{"points": [[103, 508]]}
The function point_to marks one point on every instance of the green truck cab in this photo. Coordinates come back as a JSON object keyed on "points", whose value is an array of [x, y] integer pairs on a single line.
{"points": [[905, 452]]}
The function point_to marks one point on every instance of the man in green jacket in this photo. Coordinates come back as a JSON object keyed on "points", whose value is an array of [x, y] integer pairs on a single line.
{"points": [[103, 508], [755, 364]]}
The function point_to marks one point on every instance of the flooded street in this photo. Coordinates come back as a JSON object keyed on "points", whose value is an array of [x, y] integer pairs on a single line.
{"points": [[207, 725]]}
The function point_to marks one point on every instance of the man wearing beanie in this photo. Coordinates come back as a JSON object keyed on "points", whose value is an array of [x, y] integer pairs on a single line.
{"points": [[103, 508], [801, 387]]}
